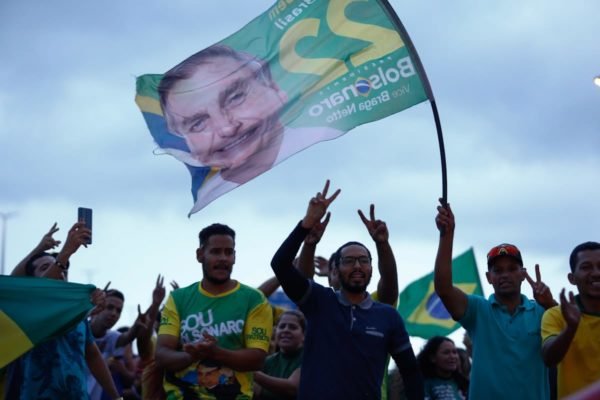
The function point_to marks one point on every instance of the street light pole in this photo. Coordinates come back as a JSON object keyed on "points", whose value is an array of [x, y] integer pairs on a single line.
{"points": [[4, 217]]}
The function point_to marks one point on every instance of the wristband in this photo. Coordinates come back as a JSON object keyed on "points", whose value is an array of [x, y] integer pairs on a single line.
{"points": [[61, 265]]}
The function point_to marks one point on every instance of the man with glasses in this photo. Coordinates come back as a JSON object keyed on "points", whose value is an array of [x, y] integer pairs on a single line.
{"points": [[348, 334], [505, 328]]}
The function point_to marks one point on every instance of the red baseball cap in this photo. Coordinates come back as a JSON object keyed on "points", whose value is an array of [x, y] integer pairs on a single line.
{"points": [[504, 249]]}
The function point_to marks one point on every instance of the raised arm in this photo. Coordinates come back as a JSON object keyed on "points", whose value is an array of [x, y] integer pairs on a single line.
{"points": [[144, 340], [142, 323], [294, 284], [78, 236], [387, 288], [454, 299], [269, 286], [306, 261], [555, 348], [47, 243]]}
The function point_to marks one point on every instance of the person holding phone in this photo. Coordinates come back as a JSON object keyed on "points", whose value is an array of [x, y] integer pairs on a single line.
{"points": [[48, 366]]}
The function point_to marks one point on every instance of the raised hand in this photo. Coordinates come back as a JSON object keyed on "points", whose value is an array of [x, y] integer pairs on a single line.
{"points": [[78, 236], [445, 218], [174, 285], [48, 241], [376, 227], [316, 233], [321, 266], [142, 322], [98, 299], [541, 292], [570, 310], [317, 207], [159, 292]]}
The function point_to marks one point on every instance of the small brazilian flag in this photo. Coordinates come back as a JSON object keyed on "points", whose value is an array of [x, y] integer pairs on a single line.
{"points": [[33, 310], [423, 312]]}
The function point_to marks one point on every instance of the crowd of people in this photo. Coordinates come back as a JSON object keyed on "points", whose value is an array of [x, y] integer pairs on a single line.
{"points": [[218, 338]]}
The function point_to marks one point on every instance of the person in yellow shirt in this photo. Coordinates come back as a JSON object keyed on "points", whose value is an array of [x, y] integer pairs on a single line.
{"points": [[571, 330]]}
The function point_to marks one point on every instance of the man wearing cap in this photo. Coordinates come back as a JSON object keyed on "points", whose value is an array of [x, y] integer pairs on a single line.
{"points": [[505, 328]]}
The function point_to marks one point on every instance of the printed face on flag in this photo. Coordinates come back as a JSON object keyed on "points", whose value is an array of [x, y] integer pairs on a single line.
{"points": [[303, 72], [226, 107]]}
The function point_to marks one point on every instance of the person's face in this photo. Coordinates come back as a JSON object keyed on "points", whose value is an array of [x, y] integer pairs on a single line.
{"points": [[446, 358], [208, 377], [587, 273], [42, 264], [217, 257], [288, 333], [111, 313], [225, 113], [354, 269], [506, 275]]}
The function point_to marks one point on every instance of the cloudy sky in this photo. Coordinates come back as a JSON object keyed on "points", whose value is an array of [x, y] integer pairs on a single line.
{"points": [[513, 83]]}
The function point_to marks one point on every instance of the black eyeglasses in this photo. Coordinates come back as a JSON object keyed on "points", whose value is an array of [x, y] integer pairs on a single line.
{"points": [[349, 261]]}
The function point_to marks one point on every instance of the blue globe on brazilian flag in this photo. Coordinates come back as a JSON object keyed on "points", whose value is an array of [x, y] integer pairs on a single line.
{"points": [[423, 312]]}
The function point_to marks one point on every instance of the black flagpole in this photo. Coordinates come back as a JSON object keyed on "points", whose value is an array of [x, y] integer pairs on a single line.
{"points": [[421, 71]]}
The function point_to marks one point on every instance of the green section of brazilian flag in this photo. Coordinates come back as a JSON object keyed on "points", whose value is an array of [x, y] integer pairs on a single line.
{"points": [[33, 310], [423, 312]]}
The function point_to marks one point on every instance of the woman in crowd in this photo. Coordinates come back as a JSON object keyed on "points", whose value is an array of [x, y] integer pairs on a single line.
{"points": [[280, 376], [440, 365]]}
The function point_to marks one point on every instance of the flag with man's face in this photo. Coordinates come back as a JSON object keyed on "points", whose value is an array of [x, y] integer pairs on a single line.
{"points": [[423, 312], [33, 310], [304, 71]]}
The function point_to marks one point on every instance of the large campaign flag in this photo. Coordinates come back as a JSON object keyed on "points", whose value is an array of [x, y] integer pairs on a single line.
{"points": [[302, 72], [423, 312], [33, 310]]}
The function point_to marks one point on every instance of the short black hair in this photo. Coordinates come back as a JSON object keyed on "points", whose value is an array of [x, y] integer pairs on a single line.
{"points": [[581, 247], [215, 229], [338, 252], [115, 293], [30, 268]]}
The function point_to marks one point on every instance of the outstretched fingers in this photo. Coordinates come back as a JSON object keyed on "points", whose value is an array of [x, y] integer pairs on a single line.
{"points": [[53, 229], [531, 281], [538, 275]]}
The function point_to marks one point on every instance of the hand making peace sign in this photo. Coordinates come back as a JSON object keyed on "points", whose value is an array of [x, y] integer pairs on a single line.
{"points": [[376, 227], [317, 207], [541, 292]]}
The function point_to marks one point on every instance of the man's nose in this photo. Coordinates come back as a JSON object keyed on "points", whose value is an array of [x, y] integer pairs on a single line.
{"points": [[225, 124]]}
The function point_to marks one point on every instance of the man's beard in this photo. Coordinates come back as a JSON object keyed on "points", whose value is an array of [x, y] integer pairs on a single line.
{"points": [[354, 289], [213, 280]]}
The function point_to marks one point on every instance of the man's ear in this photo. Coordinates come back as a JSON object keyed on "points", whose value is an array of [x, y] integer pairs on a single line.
{"points": [[571, 278], [200, 254], [487, 276]]}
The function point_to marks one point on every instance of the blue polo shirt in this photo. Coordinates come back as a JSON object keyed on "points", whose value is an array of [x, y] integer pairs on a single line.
{"points": [[507, 360], [346, 345]]}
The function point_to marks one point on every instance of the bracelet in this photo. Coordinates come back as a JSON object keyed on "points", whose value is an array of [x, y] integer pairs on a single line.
{"points": [[61, 265]]}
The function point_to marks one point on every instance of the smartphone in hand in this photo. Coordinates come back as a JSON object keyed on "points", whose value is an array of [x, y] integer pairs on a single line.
{"points": [[85, 215]]}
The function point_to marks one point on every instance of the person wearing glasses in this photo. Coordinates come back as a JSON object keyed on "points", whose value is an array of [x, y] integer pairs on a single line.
{"points": [[505, 328], [348, 334]]}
